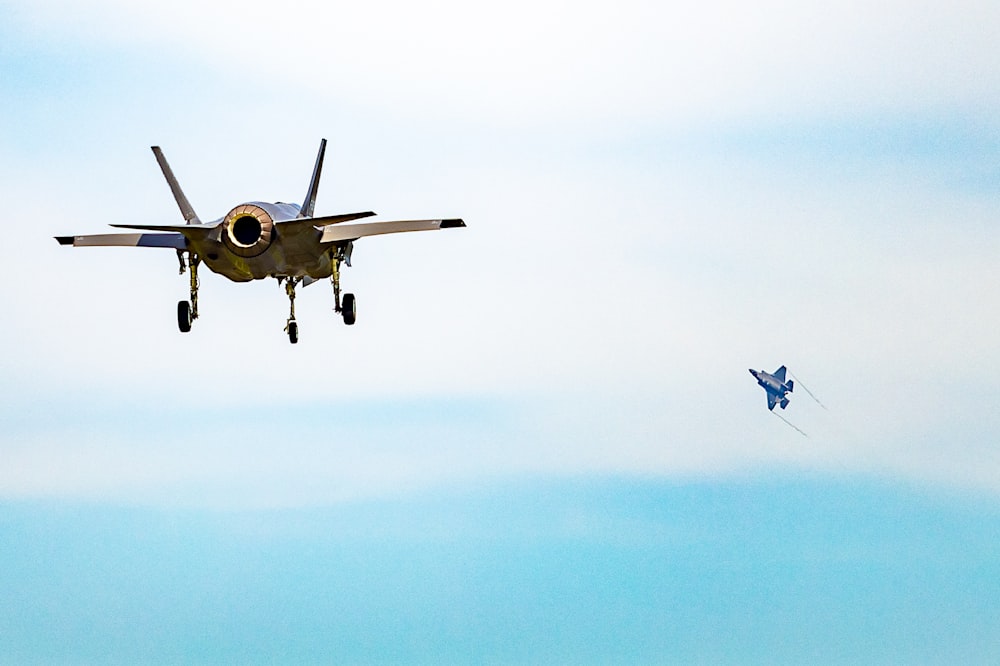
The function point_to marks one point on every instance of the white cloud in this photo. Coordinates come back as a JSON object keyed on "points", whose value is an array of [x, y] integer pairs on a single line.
{"points": [[619, 317]]}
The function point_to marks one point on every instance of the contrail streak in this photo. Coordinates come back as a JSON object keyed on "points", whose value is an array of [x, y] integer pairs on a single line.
{"points": [[799, 383], [790, 424]]}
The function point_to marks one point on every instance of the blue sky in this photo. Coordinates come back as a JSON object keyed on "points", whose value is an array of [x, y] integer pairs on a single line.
{"points": [[581, 571], [658, 197]]}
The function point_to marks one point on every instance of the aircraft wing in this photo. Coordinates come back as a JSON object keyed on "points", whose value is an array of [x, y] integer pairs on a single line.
{"points": [[779, 374], [170, 240], [772, 400], [343, 232]]}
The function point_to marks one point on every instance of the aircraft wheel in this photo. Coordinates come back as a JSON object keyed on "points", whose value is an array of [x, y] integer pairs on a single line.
{"points": [[350, 309], [293, 332], [184, 316]]}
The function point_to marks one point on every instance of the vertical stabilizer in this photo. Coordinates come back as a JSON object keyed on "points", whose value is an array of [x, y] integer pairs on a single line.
{"points": [[189, 215], [309, 205]]}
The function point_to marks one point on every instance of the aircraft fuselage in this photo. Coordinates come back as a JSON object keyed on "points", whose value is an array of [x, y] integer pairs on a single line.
{"points": [[249, 244]]}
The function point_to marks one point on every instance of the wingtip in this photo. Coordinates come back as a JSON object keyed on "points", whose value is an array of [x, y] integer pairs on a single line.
{"points": [[64, 240], [452, 223]]}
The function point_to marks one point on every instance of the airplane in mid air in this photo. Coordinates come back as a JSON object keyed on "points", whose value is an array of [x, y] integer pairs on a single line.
{"points": [[775, 385], [259, 240]]}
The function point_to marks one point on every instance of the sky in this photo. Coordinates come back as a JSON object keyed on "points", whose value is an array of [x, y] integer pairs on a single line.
{"points": [[540, 442]]}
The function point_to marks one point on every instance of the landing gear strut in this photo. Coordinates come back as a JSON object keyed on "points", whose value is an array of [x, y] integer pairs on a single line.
{"points": [[291, 326], [187, 311], [349, 308]]}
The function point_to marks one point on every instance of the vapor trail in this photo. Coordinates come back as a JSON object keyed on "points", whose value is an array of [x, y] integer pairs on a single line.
{"points": [[790, 424], [803, 386]]}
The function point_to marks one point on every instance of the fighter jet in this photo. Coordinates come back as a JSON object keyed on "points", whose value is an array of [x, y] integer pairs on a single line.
{"points": [[258, 240], [775, 385]]}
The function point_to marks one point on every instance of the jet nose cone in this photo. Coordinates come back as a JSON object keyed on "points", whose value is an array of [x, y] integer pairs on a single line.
{"points": [[753, 372]]}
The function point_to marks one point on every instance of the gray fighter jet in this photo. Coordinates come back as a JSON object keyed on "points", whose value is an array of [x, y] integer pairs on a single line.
{"points": [[775, 385], [258, 240]]}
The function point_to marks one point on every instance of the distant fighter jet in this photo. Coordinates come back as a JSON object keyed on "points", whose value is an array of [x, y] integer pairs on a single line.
{"points": [[775, 385], [258, 240]]}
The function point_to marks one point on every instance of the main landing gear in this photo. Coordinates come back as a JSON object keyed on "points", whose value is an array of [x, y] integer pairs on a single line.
{"points": [[291, 326], [348, 309], [187, 311]]}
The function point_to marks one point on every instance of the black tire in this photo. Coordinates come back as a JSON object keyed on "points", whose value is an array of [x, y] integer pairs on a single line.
{"points": [[184, 316], [350, 308], [293, 332]]}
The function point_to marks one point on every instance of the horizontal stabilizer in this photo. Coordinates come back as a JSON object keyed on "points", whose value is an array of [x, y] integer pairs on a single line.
{"points": [[196, 230], [333, 234], [328, 219], [175, 240]]}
